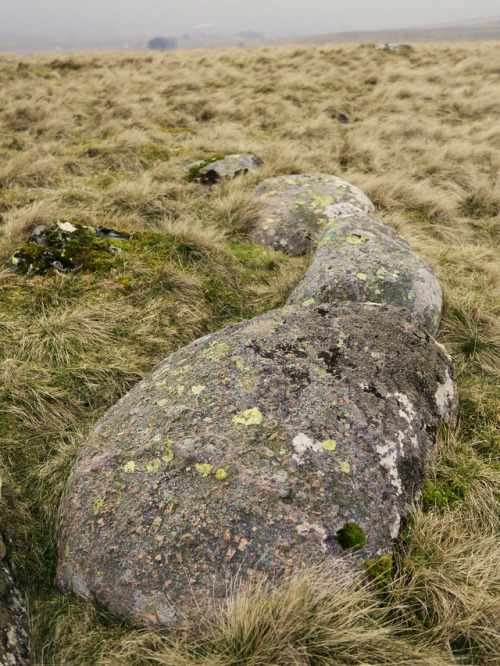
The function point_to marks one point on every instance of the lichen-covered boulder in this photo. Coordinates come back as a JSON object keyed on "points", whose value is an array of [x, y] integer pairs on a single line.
{"points": [[14, 640], [211, 169], [359, 258], [297, 208], [250, 450]]}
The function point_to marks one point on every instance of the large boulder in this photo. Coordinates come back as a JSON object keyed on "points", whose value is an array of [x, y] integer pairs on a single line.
{"points": [[294, 435], [296, 209], [360, 258], [14, 640]]}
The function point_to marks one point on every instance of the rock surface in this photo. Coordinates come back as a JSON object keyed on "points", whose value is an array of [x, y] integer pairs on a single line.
{"points": [[213, 168], [297, 208], [250, 449], [14, 641], [359, 258]]}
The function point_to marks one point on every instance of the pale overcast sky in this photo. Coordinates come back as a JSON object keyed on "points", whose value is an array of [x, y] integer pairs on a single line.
{"points": [[270, 17]]}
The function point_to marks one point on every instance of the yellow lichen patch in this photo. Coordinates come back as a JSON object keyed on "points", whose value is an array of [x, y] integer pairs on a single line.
{"points": [[97, 505], [395, 274], [129, 467], [309, 301], [221, 474], [354, 240], [196, 390], [204, 468], [216, 351], [66, 550], [153, 466], [15, 260], [329, 444], [180, 389], [382, 272], [321, 202], [162, 402], [345, 467], [249, 417], [361, 276], [162, 384], [167, 455]]}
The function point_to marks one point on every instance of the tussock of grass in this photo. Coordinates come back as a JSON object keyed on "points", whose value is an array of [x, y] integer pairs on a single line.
{"points": [[104, 139]]}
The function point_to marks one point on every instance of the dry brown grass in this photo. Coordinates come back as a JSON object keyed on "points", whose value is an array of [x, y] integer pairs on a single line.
{"points": [[105, 141]]}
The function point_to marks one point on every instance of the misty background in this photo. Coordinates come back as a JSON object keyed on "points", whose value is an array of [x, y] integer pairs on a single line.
{"points": [[271, 18]]}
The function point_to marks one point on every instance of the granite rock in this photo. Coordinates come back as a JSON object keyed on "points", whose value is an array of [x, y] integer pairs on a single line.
{"points": [[297, 208], [360, 258], [14, 639], [214, 168], [251, 450]]}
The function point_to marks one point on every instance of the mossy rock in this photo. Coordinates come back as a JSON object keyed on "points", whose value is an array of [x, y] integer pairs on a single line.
{"points": [[351, 536], [212, 169], [69, 246]]}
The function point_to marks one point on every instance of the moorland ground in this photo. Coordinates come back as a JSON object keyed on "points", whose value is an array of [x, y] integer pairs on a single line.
{"points": [[103, 139]]}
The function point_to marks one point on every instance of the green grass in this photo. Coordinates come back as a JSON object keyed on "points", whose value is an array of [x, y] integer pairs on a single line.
{"points": [[105, 140]]}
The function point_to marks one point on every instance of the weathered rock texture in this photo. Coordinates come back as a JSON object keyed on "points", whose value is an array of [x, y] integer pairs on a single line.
{"points": [[359, 258], [298, 207], [14, 641], [247, 451], [214, 168]]}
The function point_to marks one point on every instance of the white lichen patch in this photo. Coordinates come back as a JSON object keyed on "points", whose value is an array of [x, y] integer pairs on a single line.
{"points": [[66, 226], [394, 526], [303, 443], [248, 417], [444, 395], [406, 411], [388, 460]]}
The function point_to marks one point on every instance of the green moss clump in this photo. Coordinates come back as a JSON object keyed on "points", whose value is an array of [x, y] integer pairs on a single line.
{"points": [[379, 570], [81, 249], [351, 536], [444, 496], [210, 176]]}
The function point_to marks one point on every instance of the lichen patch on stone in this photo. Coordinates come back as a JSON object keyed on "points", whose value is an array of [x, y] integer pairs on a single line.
{"points": [[248, 417]]}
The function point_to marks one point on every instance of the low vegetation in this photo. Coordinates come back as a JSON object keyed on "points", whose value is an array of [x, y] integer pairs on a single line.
{"points": [[102, 140]]}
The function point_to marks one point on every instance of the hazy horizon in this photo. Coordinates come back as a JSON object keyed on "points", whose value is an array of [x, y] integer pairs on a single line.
{"points": [[272, 18]]}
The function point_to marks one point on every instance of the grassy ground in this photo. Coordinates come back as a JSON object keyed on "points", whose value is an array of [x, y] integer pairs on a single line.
{"points": [[104, 140]]}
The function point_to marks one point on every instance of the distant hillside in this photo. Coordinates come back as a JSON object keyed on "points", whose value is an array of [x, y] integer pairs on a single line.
{"points": [[462, 31]]}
